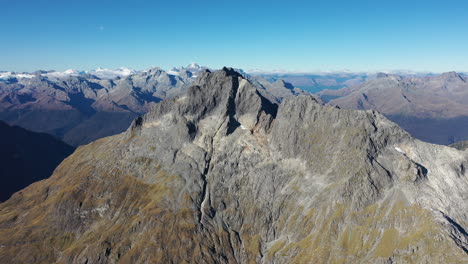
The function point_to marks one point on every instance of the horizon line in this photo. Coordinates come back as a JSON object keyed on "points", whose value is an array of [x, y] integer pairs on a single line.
{"points": [[253, 71]]}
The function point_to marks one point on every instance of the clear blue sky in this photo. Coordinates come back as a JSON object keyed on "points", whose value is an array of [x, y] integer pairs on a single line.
{"points": [[294, 35]]}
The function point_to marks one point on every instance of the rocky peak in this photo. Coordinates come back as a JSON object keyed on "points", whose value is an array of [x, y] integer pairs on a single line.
{"points": [[185, 74], [461, 145], [282, 83], [382, 75], [451, 76], [224, 94], [239, 179], [388, 76], [193, 65], [154, 71]]}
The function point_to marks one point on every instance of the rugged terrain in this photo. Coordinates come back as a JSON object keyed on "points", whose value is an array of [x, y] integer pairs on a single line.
{"points": [[223, 175], [319, 81], [461, 145], [27, 157], [80, 107], [431, 108]]}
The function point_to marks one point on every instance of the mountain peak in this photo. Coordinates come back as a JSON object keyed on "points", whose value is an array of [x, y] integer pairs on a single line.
{"points": [[283, 83], [194, 65], [229, 71], [241, 179], [451, 74], [451, 77], [224, 93], [382, 75]]}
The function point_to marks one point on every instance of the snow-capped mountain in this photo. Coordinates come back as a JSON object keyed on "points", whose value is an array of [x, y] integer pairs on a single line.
{"points": [[64, 74], [99, 72], [111, 74], [9, 75], [192, 69], [79, 106]]}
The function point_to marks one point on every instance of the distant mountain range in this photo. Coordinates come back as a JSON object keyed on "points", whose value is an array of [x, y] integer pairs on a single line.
{"points": [[27, 157], [432, 108], [81, 106], [317, 81]]}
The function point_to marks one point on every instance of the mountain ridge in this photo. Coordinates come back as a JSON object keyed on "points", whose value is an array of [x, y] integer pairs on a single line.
{"points": [[79, 108], [433, 108], [222, 175]]}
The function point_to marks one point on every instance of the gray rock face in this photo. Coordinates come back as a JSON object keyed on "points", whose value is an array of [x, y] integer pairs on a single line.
{"points": [[222, 175], [275, 91], [461, 145], [433, 109]]}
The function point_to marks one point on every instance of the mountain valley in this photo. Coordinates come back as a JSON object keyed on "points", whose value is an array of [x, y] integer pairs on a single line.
{"points": [[27, 157]]}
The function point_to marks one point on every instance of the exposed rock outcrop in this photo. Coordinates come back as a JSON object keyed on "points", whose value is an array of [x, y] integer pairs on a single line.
{"points": [[222, 175], [461, 145]]}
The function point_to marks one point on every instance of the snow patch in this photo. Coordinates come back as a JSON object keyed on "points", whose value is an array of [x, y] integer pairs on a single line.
{"points": [[111, 74], [194, 65], [193, 68], [400, 150], [8, 75], [64, 74], [28, 76], [171, 72], [242, 84]]}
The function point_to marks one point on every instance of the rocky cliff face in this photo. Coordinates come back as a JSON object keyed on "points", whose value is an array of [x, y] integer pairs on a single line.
{"points": [[222, 175]]}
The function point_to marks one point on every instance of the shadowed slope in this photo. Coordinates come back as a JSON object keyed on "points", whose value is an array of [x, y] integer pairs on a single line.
{"points": [[27, 157]]}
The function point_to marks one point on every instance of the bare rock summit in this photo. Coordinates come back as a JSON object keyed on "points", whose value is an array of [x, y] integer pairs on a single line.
{"points": [[220, 174]]}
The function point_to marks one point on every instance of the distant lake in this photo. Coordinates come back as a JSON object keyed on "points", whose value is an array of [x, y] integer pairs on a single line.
{"points": [[316, 89]]}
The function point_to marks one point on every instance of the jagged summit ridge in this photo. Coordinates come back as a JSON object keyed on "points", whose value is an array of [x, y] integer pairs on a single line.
{"points": [[225, 93], [81, 107], [223, 175]]}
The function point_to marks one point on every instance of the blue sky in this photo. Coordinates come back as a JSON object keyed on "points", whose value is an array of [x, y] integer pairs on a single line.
{"points": [[291, 35]]}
